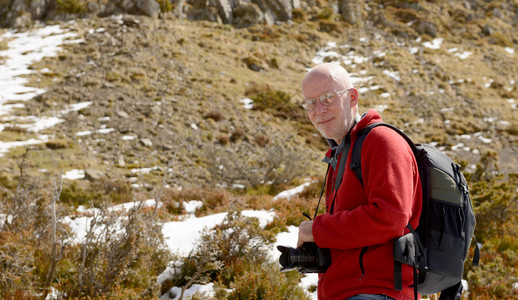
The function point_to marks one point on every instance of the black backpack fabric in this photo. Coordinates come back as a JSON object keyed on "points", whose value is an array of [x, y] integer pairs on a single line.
{"points": [[438, 247]]}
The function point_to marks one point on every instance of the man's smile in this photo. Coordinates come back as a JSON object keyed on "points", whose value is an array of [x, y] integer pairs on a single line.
{"points": [[325, 121]]}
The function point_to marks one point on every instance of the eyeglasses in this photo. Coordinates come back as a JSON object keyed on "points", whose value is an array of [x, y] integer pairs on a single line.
{"points": [[310, 104]]}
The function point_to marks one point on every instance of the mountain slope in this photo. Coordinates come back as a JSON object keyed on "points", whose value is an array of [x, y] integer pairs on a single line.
{"points": [[172, 89]]}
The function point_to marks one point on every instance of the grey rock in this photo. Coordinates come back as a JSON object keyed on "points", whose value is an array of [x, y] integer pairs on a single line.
{"points": [[427, 28], [38, 8], [24, 20], [487, 30], [122, 114], [148, 8], [120, 161], [146, 142], [225, 11], [126, 5], [93, 7], [350, 11], [93, 175]]}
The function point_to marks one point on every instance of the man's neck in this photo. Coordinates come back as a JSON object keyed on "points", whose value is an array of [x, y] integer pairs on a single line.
{"points": [[357, 119]]}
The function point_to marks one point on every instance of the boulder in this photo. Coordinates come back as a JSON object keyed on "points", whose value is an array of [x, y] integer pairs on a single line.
{"points": [[428, 28], [247, 14], [39, 8], [207, 13], [275, 10], [23, 20], [350, 11], [225, 11], [148, 8]]}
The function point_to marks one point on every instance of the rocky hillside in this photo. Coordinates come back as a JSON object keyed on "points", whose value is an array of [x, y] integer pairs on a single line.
{"points": [[171, 88]]}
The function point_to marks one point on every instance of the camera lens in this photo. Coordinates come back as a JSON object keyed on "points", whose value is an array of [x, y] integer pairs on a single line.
{"points": [[285, 259], [306, 259]]}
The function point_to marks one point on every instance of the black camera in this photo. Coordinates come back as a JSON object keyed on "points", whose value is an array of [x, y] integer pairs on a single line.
{"points": [[308, 258]]}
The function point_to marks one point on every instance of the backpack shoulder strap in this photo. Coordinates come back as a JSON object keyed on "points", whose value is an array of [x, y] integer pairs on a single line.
{"points": [[356, 164]]}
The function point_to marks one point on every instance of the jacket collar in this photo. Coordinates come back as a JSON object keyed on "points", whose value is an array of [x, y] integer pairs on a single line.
{"points": [[360, 122], [333, 153]]}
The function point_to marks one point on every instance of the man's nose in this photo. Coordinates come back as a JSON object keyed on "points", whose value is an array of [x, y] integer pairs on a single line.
{"points": [[319, 107]]}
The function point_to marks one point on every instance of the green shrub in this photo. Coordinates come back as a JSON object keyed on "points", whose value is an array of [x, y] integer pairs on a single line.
{"points": [[233, 255], [264, 281], [326, 13], [276, 102], [71, 6], [494, 198], [97, 193], [165, 5], [495, 203], [271, 166], [120, 257], [222, 252]]}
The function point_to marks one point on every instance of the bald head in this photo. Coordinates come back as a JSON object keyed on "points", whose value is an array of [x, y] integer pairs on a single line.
{"points": [[329, 74], [335, 117]]}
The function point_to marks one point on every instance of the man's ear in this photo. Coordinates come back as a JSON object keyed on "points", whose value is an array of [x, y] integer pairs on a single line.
{"points": [[354, 97]]}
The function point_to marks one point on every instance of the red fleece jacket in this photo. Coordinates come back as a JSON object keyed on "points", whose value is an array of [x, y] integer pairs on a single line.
{"points": [[369, 217]]}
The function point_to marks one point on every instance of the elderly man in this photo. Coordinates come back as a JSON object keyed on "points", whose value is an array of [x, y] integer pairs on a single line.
{"points": [[361, 220]]}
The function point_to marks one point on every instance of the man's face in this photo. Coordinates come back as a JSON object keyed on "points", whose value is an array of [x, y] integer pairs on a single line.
{"points": [[334, 120]]}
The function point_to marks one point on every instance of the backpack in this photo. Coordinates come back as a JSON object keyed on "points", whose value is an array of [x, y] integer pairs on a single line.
{"points": [[439, 245]]}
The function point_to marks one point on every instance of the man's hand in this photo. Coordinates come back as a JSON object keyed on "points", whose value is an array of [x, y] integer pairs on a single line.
{"points": [[305, 233]]}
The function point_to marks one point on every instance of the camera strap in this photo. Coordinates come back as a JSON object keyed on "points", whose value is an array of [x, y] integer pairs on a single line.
{"points": [[345, 146], [343, 150], [332, 160], [321, 193]]}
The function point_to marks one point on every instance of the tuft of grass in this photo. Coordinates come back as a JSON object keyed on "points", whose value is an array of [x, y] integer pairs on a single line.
{"points": [[237, 135], [223, 139], [112, 76], [57, 144], [4, 45], [330, 26], [261, 140], [15, 129], [501, 39], [404, 15], [216, 115], [253, 63], [298, 15]]}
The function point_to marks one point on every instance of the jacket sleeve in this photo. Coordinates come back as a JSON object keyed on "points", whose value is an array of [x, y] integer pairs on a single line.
{"points": [[391, 181]]}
